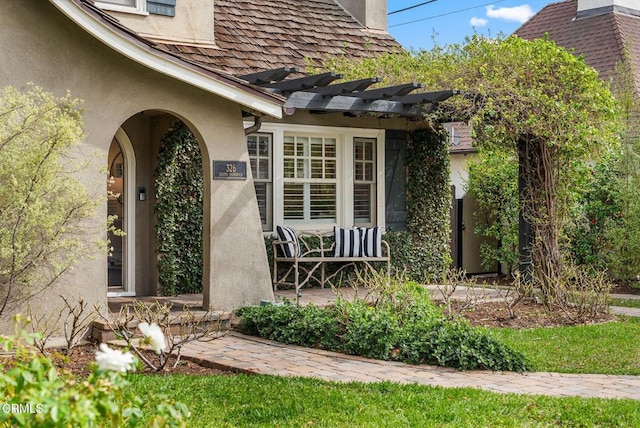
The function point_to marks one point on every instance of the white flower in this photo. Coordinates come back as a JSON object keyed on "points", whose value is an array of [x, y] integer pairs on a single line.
{"points": [[113, 359], [154, 335]]}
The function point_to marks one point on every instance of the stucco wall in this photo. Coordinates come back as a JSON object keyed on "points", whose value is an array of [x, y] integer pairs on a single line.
{"points": [[193, 23], [42, 46]]}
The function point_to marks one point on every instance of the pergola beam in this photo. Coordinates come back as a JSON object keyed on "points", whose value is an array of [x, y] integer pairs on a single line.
{"points": [[303, 83], [388, 92], [426, 97], [344, 103], [346, 87], [262, 78]]}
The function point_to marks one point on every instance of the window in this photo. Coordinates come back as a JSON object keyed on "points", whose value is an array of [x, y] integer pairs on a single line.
{"points": [[154, 7], [310, 179], [131, 6], [259, 147], [454, 136], [130, 3], [364, 180]]}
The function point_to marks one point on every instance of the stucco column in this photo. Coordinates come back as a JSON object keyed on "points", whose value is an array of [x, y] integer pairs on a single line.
{"points": [[237, 272]]}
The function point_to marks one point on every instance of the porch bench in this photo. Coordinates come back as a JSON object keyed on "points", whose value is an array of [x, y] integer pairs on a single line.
{"points": [[305, 260]]}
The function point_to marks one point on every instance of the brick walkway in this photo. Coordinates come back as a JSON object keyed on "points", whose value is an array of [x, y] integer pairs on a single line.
{"points": [[259, 356]]}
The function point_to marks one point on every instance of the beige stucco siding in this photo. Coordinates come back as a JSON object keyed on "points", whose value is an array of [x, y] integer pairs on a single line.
{"points": [[42, 46]]}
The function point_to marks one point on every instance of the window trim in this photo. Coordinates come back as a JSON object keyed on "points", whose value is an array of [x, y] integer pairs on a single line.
{"points": [[267, 226], [139, 9], [344, 170], [373, 183]]}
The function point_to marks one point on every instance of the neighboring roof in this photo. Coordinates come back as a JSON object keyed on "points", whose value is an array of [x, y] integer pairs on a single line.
{"points": [[462, 141], [254, 36], [107, 30], [601, 38]]}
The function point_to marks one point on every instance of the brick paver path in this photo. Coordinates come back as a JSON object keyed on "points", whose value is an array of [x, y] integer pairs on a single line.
{"points": [[259, 356]]}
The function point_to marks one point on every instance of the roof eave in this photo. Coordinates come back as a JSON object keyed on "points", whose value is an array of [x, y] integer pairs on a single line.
{"points": [[143, 54]]}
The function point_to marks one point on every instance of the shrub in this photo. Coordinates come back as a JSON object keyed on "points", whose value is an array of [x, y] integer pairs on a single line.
{"points": [[368, 331], [398, 323], [45, 207]]}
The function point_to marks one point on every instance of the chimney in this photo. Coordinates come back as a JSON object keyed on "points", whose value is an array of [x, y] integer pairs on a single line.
{"points": [[588, 8], [371, 14]]}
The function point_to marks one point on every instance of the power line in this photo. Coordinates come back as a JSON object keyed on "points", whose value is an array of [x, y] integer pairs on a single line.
{"points": [[446, 14], [411, 7]]}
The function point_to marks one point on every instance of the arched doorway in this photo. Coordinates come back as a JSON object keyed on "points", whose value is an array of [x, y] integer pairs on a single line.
{"points": [[121, 207]]}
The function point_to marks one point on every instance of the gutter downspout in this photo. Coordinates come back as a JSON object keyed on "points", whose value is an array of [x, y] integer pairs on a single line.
{"points": [[257, 124]]}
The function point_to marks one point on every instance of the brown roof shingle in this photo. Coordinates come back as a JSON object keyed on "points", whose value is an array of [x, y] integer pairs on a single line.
{"points": [[254, 35], [602, 39]]}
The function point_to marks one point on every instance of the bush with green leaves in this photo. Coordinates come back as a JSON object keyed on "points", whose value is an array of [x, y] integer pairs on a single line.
{"points": [[400, 323], [35, 394], [493, 183], [45, 225]]}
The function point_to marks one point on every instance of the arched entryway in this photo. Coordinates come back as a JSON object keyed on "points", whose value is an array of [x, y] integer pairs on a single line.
{"points": [[121, 197]]}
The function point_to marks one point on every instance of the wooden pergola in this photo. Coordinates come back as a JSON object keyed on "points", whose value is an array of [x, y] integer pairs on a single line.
{"points": [[317, 93]]}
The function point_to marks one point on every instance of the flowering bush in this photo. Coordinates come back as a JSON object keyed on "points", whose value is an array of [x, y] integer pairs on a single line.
{"points": [[36, 394], [153, 334]]}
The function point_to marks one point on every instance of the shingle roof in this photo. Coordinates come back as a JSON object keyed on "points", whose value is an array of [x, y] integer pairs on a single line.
{"points": [[254, 36], [602, 39], [136, 48]]}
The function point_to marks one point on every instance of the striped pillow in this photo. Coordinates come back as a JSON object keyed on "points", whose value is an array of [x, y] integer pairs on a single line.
{"points": [[289, 249], [371, 241], [348, 242]]}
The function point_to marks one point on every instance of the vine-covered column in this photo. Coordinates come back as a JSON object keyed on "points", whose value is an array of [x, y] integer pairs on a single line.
{"points": [[179, 212], [428, 202]]}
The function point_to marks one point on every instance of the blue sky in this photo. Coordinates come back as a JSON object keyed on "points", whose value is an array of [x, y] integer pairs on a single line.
{"points": [[449, 21]]}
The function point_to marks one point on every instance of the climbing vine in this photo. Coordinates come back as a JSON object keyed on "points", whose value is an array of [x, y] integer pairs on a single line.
{"points": [[428, 203], [179, 190]]}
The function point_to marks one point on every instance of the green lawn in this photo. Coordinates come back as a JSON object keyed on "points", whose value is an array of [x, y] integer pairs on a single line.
{"points": [[610, 348], [267, 401], [626, 303]]}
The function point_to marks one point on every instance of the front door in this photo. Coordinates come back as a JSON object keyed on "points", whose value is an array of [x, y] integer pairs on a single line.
{"points": [[120, 278]]}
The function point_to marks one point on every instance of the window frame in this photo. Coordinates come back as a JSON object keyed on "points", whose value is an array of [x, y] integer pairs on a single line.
{"points": [[267, 224], [344, 170], [371, 183], [308, 180], [140, 7]]}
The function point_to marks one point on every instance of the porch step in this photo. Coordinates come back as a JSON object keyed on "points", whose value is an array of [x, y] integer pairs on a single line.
{"points": [[102, 333]]}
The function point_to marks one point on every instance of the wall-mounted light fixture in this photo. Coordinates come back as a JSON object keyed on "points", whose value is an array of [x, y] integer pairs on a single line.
{"points": [[142, 194]]}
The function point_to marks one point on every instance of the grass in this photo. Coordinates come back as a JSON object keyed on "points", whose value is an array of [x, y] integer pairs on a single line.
{"points": [[626, 303], [610, 348], [267, 401]]}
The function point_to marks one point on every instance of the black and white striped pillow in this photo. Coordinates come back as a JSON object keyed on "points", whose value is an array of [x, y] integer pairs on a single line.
{"points": [[348, 242], [289, 248], [371, 241]]}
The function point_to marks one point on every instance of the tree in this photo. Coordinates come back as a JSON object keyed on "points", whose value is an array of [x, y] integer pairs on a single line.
{"points": [[493, 183], [531, 98], [43, 207]]}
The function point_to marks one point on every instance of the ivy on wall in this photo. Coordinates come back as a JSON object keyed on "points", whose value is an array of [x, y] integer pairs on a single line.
{"points": [[179, 212], [428, 203]]}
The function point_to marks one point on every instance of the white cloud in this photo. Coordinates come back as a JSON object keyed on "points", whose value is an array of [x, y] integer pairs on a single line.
{"points": [[518, 13], [478, 22]]}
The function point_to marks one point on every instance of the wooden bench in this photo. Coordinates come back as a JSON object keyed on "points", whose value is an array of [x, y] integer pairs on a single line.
{"points": [[306, 261]]}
